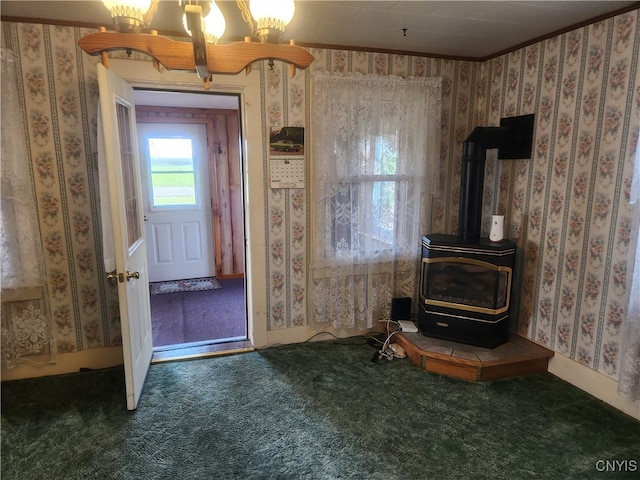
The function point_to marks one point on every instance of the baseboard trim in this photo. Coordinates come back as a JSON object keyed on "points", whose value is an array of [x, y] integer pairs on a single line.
{"points": [[67, 363], [594, 383], [303, 334]]}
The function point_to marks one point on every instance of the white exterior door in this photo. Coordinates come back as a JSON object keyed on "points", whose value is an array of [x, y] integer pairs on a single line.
{"points": [[177, 200], [123, 169]]}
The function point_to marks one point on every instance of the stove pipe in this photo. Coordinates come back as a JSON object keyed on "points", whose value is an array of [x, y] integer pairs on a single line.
{"points": [[513, 138], [471, 189]]}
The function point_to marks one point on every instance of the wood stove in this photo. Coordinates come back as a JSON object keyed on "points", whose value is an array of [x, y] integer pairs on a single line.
{"points": [[465, 289], [465, 281]]}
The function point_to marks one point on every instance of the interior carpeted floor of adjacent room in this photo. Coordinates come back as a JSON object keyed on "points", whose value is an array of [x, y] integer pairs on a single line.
{"points": [[318, 410], [184, 317]]}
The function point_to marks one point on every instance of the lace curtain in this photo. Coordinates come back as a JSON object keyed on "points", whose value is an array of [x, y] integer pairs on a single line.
{"points": [[26, 329], [375, 155], [629, 379]]}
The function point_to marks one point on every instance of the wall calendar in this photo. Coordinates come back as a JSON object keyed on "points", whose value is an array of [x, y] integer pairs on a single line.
{"points": [[286, 157], [287, 172]]}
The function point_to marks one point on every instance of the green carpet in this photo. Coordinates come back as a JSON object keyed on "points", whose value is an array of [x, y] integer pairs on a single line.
{"points": [[310, 411]]}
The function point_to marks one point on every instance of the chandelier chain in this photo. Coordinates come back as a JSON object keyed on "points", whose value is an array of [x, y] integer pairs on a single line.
{"points": [[246, 14]]}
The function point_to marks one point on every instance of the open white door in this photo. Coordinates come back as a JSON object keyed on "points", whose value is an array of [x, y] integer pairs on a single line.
{"points": [[177, 200], [123, 169]]}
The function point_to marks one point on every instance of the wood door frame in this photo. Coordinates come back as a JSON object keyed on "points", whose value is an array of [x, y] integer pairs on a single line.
{"points": [[149, 114], [143, 76]]}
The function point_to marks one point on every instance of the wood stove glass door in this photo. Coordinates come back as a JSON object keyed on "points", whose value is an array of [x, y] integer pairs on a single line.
{"points": [[466, 284]]}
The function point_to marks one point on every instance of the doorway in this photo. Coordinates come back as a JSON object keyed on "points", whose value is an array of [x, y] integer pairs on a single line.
{"points": [[177, 199], [197, 292]]}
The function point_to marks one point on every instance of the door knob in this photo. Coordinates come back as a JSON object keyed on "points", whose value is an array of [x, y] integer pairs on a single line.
{"points": [[112, 275], [131, 275]]}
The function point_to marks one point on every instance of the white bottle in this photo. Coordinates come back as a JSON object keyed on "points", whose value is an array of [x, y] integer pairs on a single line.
{"points": [[497, 228]]}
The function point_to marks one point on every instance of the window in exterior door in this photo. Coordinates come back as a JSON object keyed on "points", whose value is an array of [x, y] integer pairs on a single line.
{"points": [[173, 178], [128, 174]]}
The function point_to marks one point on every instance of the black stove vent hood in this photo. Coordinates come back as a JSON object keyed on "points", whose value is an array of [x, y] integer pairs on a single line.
{"points": [[513, 139]]}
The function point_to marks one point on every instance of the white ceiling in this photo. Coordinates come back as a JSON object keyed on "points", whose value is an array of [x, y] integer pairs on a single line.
{"points": [[186, 100], [475, 29]]}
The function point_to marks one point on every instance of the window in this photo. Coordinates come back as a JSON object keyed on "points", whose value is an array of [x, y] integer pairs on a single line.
{"points": [[21, 257], [365, 206], [27, 333], [375, 148], [173, 178], [629, 377]]}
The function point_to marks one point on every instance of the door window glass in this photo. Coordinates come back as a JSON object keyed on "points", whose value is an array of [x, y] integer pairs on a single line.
{"points": [[128, 174], [173, 179]]}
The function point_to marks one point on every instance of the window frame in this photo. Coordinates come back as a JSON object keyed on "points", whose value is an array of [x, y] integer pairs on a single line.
{"points": [[153, 207]]}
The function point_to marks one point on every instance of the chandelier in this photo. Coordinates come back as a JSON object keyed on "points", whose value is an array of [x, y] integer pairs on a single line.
{"points": [[205, 23]]}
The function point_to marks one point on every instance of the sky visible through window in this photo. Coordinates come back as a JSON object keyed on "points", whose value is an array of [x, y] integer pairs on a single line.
{"points": [[172, 172]]}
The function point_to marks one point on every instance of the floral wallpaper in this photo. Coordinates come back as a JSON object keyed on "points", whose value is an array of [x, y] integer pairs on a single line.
{"points": [[285, 105], [566, 206], [59, 93]]}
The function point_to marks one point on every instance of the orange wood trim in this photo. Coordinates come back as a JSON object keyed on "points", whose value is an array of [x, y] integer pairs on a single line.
{"points": [[235, 192], [178, 55], [104, 57], [213, 186], [525, 367], [231, 276], [555, 33], [224, 197], [386, 51], [451, 359], [412, 352], [523, 358], [50, 21], [466, 372]]}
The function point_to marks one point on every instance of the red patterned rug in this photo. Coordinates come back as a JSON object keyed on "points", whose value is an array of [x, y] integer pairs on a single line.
{"points": [[192, 285]]}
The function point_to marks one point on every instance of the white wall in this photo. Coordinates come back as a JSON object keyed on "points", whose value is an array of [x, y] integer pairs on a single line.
{"points": [[595, 383]]}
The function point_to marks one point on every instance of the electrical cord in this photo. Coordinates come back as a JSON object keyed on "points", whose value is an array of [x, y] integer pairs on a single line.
{"points": [[340, 340], [387, 351]]}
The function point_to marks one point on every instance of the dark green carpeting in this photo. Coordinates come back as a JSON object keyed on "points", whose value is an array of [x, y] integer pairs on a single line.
{"points": [[311, 411]]}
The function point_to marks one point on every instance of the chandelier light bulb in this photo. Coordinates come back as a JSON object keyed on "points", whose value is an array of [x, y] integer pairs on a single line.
{"points": [[128, 15], [214, 24], [272, 17]]}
